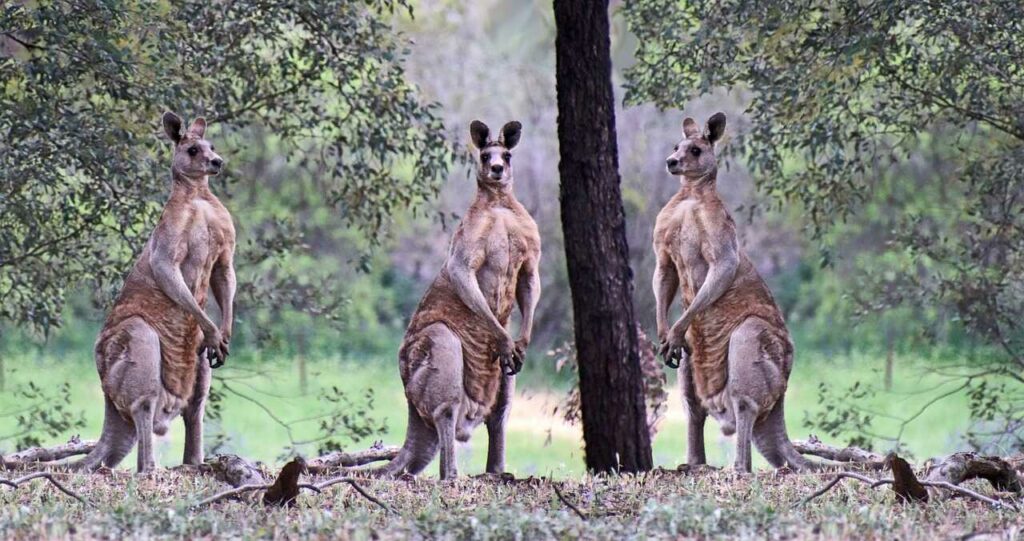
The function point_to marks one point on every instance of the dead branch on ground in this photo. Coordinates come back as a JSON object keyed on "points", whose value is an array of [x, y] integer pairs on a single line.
{"points": [[341, 459], [42, 456]]}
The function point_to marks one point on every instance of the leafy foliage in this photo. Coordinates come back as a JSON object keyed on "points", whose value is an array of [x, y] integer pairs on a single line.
{"points": [[913, 108], [82, 168]]}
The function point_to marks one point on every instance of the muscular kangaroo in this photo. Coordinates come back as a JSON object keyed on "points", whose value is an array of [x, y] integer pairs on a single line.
{"points": [[152, 352], [741, 353], [458, 359]]}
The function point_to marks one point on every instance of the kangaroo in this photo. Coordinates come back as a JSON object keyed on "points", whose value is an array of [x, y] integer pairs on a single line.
{"points": [[153, 350], [458, 361], [741, 353]]}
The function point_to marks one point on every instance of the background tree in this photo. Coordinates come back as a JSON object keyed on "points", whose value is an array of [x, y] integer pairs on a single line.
{"points": [[913, 107], [615, 431]]}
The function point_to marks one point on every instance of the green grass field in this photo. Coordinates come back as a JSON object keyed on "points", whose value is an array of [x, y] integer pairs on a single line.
{"points": [[539, 442]]}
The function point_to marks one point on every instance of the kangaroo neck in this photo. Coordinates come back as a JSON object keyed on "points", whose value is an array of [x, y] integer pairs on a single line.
{"points": [[494, 193], [699, 187]]}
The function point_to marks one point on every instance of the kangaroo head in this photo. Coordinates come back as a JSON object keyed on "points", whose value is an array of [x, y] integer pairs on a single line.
{"points": [[694, 156], [193, 156], [495, 155]]}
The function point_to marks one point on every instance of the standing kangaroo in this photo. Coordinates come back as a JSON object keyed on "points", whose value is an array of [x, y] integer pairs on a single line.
{"points": [[152, 352], [741, 353], [458, 359]]}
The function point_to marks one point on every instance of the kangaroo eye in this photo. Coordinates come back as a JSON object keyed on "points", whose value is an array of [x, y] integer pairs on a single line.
{"points": [[507, 156], [675, 148], [485, 157], [192, 151], [695, 152], [212, 148]]}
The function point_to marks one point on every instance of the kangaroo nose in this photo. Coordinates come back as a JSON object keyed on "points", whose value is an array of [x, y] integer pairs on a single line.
{"points": [[497, 168], [672, 162], [217, 162]]}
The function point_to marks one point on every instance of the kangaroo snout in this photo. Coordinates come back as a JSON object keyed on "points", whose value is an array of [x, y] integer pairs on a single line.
{"points": [[671, 162], [217, 162], [497, 169]]}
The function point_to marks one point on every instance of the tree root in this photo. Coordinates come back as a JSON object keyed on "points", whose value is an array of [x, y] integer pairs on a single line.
{"points": [[15, 483]]}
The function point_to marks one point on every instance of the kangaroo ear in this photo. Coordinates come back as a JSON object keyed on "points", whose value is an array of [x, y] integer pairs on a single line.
{"points": [[172, 126], [198, 127], [510, 133], [479, 131], [690, 128], [716, 127]]}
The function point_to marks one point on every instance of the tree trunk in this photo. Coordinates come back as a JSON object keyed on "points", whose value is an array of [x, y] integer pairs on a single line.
{"points": [[593, 221]]}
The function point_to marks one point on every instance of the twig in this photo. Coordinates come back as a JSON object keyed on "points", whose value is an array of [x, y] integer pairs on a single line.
{"points": [[228, 493], [835, 481], [318, 488], [568, 503], [352, 482], [14, 483], [875, 483]]}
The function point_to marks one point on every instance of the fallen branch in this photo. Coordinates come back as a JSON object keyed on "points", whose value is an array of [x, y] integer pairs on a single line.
{"points": [[341, 459], [318, 488], [357, 487], [37, 455], [235, 470], [229, 493], [567, 502], [875, 483], [960, 467], [15, 483], [815, 447]]}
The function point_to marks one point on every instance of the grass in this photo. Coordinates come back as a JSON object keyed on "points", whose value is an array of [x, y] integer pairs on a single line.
{"points": [[539, 442], [660, 505]]}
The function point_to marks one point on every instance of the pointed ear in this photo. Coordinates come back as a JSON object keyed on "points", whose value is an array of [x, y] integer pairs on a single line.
{"points": [[198, 127], [690, 128], [510, 134], [716, 127], [479, 132], [172, 126]]}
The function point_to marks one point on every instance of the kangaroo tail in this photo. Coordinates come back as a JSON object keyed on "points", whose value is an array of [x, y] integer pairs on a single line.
{"points": [[419, 449], [773, 442]]}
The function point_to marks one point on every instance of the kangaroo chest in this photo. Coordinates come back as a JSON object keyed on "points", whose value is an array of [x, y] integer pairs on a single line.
{"points": [[506, 248], [209, 233], [685, 240]]}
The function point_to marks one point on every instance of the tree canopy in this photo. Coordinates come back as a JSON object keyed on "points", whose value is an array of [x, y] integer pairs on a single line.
{"points": [[845, 96], [83, 167]]}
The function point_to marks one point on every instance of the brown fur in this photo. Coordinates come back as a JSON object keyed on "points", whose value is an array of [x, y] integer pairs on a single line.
{"points": [[441, 302], [152, 350], [747, 295], [458, 345], [178, 330], [731, 342]]}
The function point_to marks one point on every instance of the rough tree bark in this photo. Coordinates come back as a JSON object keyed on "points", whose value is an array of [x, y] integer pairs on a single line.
{"points": [[611, 390]]}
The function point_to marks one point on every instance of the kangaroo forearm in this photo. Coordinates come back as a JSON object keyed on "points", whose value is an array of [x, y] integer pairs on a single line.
{"points": [[666, 285], [172, 283], [527, 296], [719, 279], [223, 286], [468, 290]]}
